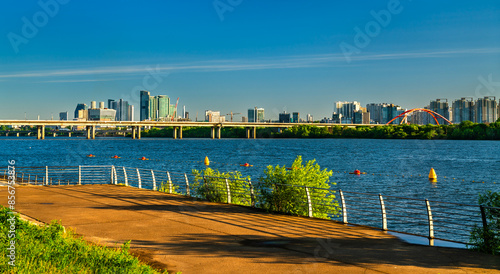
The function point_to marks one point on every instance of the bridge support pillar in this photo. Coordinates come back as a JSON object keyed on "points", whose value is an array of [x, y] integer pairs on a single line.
{"points": [[212, 133], [40, 132], [254, 132], [139, 132], [133, 132], [17, 134], [180, 132], [248, 132], [175, 133], [93, 132], [69, 134], [219, 132]]}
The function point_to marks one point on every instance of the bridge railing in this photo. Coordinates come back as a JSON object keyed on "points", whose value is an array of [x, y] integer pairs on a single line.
{"points": [[435, 220]]}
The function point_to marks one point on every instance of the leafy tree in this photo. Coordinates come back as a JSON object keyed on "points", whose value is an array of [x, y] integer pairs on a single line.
{"points": [[284, 190], [487, 239]]}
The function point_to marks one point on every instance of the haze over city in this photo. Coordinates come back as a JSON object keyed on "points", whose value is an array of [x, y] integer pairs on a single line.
{"points": [[231, 56]]}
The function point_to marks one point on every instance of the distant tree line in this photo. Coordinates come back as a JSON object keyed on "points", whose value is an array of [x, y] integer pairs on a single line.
{"points": [[464, 131]]}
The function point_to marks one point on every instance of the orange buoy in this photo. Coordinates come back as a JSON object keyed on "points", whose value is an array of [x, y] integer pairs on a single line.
{"points": [[115, 157], [207, 162], [90, 155], [357, 172], [246, 164], [144, 159]]}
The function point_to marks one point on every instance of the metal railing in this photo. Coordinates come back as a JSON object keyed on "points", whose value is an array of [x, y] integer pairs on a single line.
{"points": [[434, 220]]}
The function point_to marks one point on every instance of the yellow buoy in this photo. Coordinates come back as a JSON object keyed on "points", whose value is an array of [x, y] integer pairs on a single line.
{"points": [[207, 162], [432, 174]]}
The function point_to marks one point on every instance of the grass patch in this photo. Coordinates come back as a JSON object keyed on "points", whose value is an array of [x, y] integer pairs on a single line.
{"points": [[51, 249]]}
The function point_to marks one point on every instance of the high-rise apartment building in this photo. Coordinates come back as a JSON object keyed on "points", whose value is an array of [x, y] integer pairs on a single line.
{"points": [[361, 116], [442, 108], [375, 112], [255, 115], [347, 110], [486, 110], [295, 117], [310, 118], [383, 113], [463, 110]]}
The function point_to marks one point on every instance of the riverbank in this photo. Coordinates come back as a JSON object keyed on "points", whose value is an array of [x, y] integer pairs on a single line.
{"points": [[464, 131], [180, 233]]}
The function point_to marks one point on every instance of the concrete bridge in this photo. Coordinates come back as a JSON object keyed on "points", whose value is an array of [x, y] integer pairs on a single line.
{"points": [[90, 126]]}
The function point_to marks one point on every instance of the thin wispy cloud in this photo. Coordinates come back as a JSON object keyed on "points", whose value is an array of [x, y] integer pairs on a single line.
{"points": [[287, 62], [77, 80]]}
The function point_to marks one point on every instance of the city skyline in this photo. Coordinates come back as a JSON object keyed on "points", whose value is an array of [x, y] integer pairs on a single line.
{"points": [[295, 57], [481, 110]]}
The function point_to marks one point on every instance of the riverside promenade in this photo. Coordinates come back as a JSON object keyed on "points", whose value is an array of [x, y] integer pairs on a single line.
{"points": [[178, 233]]}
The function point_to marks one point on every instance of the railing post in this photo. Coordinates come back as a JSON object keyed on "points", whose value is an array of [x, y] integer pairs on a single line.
{"points": [[154, 179], [116, 176], [79, 175], [188, 192], [384, 215], [46, 175], [138, 178], [169, 183], [112, 178], [344, 209], [309, 203], [125, 176], [228, 190], [252, 195], [486, 231], [431, 223]]}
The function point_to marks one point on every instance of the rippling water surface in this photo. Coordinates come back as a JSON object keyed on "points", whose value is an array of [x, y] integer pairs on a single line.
{"points": [[396, 164]]}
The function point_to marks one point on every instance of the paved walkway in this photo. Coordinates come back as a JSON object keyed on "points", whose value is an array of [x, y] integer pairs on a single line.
{"points": [[180, 234]]}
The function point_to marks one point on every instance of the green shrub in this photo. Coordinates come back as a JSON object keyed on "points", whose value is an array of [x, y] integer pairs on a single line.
{"points": [[210, 185], [283, 190], [487, 239]]}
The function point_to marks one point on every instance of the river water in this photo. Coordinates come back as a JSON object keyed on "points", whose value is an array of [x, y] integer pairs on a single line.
{"points": [[394, 167]]}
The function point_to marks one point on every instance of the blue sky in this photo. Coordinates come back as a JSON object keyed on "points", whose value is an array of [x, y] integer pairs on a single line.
{"points": [[237, 54]]}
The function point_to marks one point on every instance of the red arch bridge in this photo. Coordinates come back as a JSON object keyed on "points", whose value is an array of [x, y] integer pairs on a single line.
{"points": [[432, 113]]}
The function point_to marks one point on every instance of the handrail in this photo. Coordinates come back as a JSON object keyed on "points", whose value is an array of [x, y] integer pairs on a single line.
{"points": [[432, 219]]}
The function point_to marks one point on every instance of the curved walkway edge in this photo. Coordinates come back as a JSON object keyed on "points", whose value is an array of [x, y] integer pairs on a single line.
{"points": [[181, 234]]}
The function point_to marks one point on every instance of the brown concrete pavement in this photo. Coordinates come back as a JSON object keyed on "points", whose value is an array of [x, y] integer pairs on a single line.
{"points": [[180, 234]]}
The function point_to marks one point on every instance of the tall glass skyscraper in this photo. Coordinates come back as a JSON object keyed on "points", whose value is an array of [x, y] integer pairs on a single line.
{"points": [[78, 108], [255, 115], [144, 111]]}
